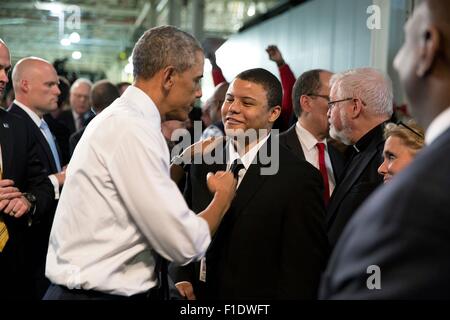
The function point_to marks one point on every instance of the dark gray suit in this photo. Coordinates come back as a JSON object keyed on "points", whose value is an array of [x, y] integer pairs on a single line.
{"points": [[289, 139], [404, 228]]}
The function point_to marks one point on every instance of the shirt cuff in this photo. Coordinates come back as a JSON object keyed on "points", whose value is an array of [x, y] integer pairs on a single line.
{"points": [[55, 184]]}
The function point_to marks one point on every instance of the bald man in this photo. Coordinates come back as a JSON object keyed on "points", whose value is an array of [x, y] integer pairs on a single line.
{"points": [[26, 196], [397, 246], [35, 85]]}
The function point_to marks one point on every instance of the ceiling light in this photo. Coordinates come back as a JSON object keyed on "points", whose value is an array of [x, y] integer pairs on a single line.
{"points": [[74, 37], [76, 55], [65, 42]]}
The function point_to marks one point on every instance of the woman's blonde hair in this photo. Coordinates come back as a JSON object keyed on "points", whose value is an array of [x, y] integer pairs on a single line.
{"points": [[411, 134]]}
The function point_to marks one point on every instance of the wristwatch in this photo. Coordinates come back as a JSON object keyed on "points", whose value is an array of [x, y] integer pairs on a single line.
{"points": [[31, 199]]}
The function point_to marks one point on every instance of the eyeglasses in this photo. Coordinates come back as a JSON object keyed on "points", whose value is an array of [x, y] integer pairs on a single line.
{"points": [[410, 129], [320, 96], [331, 104]]}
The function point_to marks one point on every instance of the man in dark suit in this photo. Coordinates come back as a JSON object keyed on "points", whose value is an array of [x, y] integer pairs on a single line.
{"points": [[79, 115], [103, 93], [36, 88], [361, 103], [397, 245], [310, 97], [25, 199], [272, 242]]}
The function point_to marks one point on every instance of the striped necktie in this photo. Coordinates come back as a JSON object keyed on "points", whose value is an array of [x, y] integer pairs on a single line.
{"points": [[4, 235]]}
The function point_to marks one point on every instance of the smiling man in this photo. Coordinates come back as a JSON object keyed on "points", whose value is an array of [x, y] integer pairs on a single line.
{"points": [[272, 242], [120, 211]]}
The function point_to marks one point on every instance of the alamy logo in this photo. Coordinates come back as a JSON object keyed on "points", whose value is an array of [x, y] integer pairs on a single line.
{"points": [[374, 280], [374, 20]]}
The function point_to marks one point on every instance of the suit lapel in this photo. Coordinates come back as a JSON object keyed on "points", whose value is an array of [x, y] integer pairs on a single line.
{"points": [[6, 141], [292, 143], [38, 134]]}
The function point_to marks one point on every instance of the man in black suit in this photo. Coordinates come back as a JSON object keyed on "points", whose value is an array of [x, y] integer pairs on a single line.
{"points": [[103, 93], [361, 103], [310, 97], [272, 242], [397, 245], [25, 199], [79, 114], [36, 88]]}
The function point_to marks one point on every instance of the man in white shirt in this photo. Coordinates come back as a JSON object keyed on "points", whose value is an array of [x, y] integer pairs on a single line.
{"points": [[119, 206], [397, 244], [308, 137]]}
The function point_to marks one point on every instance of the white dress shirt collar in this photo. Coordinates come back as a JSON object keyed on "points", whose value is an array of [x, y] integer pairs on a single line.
{"points": [[247, 159], [307, 137], [144, 105], [30, 112], [438, 126]]}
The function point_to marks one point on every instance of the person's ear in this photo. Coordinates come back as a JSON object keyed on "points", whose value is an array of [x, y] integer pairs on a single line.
{"points": [[305, 105], [168, 74], [24, 85], [275, 112], [356, 108], [429, 47]]}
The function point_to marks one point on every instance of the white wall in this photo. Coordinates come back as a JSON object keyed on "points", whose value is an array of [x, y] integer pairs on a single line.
{"points": [[327, 34]]}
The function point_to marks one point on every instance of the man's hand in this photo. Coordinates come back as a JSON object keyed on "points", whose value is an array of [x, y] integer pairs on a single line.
{"points": [[17, 207], [275, 55], [61, 176], [186, 290], [7, 192], [222, 183]]}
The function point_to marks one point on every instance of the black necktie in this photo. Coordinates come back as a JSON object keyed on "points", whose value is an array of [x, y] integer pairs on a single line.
{"points": [[235, 167]]}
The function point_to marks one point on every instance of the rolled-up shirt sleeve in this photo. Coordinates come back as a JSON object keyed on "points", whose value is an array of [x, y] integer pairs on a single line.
{"points": [[153, 200]]}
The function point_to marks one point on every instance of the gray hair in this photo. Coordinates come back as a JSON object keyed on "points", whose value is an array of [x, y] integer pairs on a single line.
{"points": [[80, 81], [161, 47], [372, 86]]}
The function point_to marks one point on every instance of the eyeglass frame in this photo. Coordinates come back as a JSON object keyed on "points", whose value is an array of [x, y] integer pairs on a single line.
{"points": [[319, 95], [332, 103], [400, 123]]}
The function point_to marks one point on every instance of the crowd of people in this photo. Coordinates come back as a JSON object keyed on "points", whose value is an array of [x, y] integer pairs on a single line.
{"points": [[295, 189]]}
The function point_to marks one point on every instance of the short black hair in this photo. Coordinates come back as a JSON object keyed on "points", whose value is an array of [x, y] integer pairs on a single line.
{"points": [[268, 81], [307, 83], [103, 93]]}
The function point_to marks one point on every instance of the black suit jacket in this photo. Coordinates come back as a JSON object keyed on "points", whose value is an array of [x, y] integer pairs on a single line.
{"points": [[74, 139], [404, 229], [62, 135], [271, 243], [66, 118], [359, 180], [19, 260], [289, 139], [44, 151]]}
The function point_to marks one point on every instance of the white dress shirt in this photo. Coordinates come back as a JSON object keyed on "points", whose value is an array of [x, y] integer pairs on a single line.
{"points": [[246, 159], [438, 126], [119, 202], [38, 121], [308, 143]]}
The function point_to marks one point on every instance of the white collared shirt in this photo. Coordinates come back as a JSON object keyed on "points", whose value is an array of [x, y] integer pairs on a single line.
{"points": [[119, 202], [308, 143], [438, 126], [247, 158], [38, 122]]}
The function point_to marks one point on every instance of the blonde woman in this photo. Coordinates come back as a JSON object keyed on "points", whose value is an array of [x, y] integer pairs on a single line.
{"points": [[403, 142]]}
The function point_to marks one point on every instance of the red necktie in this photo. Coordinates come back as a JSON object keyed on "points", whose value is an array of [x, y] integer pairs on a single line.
{"points": [[323, 171]]}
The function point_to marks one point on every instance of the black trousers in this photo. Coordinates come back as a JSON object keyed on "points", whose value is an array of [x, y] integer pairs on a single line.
{"points": [[57, 292]]}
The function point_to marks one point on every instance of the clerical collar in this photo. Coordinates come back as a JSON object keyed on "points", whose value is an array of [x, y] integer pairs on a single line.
{"points": [[365, 141]]}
